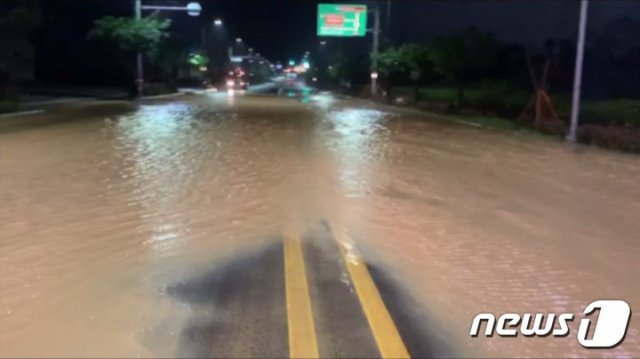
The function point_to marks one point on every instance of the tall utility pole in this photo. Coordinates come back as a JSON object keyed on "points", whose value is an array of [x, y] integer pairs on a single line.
{"points": [[374, 53], [577, 77], [139, 70], [387, 25]]}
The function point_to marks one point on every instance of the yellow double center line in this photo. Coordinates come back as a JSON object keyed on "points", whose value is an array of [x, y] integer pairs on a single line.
{"points": [[302, 336], [302, 333]]}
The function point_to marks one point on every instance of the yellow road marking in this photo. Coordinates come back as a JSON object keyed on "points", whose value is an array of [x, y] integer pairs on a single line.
{"points": [[302, 334], [382, 326]]}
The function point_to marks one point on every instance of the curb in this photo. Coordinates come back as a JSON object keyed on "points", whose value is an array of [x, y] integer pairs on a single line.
{"points": [[21, 113], [451, 118], [58, 101], [175, 94]]}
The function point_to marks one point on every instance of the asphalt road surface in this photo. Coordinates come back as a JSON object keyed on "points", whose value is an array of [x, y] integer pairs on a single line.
{"points": [[301, 224], [297, 296]]}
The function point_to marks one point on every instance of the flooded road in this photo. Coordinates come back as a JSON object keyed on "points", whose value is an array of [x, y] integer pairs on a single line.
{"points": [[104, 208]]}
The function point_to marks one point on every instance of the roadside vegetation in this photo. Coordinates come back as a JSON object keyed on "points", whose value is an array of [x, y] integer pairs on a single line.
{"points": [[125, 37], [472, 74], [18, 21], [165, 55]]}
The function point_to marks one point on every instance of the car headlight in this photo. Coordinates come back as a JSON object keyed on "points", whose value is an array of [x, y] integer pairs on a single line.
{"points": [[230, 83]]}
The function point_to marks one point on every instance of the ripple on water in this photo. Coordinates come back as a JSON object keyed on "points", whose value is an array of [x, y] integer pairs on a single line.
{"points": [[100, 213]]}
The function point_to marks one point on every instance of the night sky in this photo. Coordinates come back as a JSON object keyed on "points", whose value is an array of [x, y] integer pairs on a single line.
{"points": [[282, 29]]}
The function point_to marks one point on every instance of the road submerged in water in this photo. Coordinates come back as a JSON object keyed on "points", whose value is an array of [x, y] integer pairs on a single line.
{"points": [[141, 230]]}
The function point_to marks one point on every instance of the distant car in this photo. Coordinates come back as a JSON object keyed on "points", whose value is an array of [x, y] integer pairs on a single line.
{"points": [[236, 83]]}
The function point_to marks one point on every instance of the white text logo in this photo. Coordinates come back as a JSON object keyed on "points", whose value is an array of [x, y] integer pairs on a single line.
{"points": [[608, 331]]}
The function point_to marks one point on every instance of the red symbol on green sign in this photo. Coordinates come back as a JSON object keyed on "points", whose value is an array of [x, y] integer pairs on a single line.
{"points": [[334, 20]]}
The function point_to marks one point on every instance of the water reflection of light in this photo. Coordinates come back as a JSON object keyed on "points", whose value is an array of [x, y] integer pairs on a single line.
{"points": [[323, 100], [153, 141], [164, 237], [157, 120], [306, 93], [360, 144]]}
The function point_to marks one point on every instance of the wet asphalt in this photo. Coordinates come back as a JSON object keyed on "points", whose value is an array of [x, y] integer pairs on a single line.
{"points": [[247, 298]]}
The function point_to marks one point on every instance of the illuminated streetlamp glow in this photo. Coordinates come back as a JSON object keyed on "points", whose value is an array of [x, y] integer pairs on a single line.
{"points": [[193, 9], [217, 22]]}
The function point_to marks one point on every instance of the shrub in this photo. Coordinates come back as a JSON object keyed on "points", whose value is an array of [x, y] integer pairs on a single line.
{"points": [[9, 99], [620, 138], [7, 105], [499, 96], [622, 112], [562, 104], [440, 94], [159, 88]]}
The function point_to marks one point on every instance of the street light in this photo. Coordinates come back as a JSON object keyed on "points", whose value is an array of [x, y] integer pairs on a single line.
{"points": [[238, 40], [192, 8], [323, 43], [217, 22]]}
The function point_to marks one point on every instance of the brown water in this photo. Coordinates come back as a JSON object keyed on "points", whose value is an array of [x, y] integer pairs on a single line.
{"points": [[104, 207]]}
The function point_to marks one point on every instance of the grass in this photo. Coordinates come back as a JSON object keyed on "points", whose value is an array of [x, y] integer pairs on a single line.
{"points": [[8, 106], [500, 97], [613, 124], [444, 94], [495, 123], [622, 112]]}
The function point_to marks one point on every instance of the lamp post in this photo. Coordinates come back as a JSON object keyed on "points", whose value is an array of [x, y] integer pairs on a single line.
{"points": [[374, 52], [192, 8]]}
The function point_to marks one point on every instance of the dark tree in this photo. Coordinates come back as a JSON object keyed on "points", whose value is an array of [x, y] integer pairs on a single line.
{"points": [[462, 56], [18, 20]]}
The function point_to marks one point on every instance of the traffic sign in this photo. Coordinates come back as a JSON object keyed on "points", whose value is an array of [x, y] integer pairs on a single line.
{"points": [[342, 20]]}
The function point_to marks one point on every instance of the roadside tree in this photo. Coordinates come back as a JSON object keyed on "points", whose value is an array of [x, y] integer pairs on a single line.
{"points": [[462, 56]]}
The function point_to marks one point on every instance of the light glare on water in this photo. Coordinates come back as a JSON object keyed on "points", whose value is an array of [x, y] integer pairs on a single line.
{"points": [[102, 214]]}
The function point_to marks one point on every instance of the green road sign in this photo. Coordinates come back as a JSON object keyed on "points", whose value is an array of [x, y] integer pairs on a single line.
{"points": [[342, 20]]}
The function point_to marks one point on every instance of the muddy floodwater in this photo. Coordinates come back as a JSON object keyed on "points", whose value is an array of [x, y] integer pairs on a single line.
{"points": [[105, 206]]}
